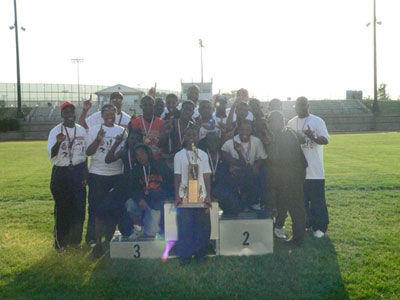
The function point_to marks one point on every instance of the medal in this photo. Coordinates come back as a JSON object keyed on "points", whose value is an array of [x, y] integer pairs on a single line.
{"points": [[147, 139]]}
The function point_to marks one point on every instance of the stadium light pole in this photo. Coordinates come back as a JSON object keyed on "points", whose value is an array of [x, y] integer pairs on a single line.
{"points": [[201, 58], [78, 61], [20, 114], [375, 106]]}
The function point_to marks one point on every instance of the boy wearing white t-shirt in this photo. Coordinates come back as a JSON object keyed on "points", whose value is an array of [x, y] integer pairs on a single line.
{"points": [[194, 225], [67, 151], [102, 177], [315, 133], [116, 99], [245, 153]]}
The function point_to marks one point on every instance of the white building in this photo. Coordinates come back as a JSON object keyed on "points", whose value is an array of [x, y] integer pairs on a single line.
{"points": [[206, 92]]}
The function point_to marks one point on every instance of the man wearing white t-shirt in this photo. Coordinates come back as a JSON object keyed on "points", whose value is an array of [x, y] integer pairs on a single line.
{"points": [[67, 151], [116, 99], [316, 136], [194, 225], [246, 154], [102, 177]]}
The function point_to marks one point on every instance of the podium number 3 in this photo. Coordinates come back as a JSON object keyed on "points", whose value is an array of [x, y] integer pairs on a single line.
{"points": [[137, 251], [246, 238]]}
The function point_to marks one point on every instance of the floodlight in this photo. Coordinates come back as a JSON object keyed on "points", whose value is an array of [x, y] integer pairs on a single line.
{"points": [[11, 27], [23, 28]]}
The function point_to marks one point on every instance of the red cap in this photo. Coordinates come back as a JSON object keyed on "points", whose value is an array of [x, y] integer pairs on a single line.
{"points": [[67, 104]]}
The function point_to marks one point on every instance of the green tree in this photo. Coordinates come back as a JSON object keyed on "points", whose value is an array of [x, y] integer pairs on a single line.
{"points": [[382, 95]]}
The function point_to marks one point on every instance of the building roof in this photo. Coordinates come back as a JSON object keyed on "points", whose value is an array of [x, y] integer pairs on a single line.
{"points": [[126, 90]]}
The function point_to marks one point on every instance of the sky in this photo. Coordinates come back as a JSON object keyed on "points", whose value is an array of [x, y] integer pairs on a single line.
{"points": [[275, 49]]}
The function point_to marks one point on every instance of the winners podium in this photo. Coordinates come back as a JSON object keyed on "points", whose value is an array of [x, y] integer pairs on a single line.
{"points": [[244, 234]]}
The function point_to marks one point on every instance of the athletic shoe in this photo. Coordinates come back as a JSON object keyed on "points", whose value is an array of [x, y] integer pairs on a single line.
{"points": [[319, 234], [137, 232], [280, 233], [308, 229], [256, 207], [60, 249], [92, 244], [159, 237]]}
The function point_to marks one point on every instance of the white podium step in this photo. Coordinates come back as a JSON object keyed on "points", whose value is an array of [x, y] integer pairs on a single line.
{"points": [[136, 249], [241, 236]]}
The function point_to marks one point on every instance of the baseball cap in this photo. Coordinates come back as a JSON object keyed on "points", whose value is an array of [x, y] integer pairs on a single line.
{"points": [[67, 104]]}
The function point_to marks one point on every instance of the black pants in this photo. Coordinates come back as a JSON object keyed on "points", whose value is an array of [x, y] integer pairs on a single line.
{"points": [[194, 230], [70, 204], [315, 203], [246, 182], [288, 196], [99, 187]]}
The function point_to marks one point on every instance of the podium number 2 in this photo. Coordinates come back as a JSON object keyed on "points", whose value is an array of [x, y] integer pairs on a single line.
{"points": [[246, 238], [137, 251]]}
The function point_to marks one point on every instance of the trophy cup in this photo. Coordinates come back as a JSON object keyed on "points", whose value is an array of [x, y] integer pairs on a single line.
{"points": [[193, 194]]}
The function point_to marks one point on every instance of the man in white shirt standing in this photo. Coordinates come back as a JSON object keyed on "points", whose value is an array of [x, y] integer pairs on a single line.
{"points": [[316, 136], [102, 177], [116, 99], [67, 151]]}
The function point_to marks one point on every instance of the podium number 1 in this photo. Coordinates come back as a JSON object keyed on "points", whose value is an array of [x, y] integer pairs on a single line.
{"points": [[137, 251], [246, 235]]}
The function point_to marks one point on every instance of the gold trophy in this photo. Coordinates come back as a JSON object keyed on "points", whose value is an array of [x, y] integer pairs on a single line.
{"points": [[193, 193]]}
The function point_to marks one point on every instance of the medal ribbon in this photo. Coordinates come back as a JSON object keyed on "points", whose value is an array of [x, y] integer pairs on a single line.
{"points": [[70, 144], [120, 119], [146, 177], [145, 128], [247, 154], [179, 131], [214, 170]]}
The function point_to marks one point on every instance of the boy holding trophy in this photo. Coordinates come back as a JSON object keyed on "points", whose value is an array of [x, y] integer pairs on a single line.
{"points": [[192, 197]]}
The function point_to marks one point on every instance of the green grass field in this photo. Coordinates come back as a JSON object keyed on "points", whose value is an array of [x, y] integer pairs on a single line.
{"points": [[359, 259]]}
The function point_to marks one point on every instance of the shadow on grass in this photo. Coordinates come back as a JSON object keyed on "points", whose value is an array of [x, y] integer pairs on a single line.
{"points": [[310, 272]]}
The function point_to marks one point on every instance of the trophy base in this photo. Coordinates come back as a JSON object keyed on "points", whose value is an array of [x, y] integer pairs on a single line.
{"points": [[192, 205]]}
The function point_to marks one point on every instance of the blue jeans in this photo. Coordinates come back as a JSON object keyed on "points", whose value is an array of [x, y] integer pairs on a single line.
{"points": [[315, 203]]}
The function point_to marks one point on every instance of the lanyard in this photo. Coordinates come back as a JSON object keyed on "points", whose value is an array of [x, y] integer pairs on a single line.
{"points": [[146, 176], [179, 131], [70, 143], [213, 169], [120, 119], [145, 128]]}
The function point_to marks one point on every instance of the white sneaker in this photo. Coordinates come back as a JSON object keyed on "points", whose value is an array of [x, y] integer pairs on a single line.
{"points": [[137, 232], [280, 233], [308, 229], [319, 234], [256, 206]]}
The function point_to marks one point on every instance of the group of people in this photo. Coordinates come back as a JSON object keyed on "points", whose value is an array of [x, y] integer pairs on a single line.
{"points": [[246, 161]]}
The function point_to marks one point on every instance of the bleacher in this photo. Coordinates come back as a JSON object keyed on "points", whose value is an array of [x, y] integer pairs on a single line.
{"points": [[339, 115]]}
